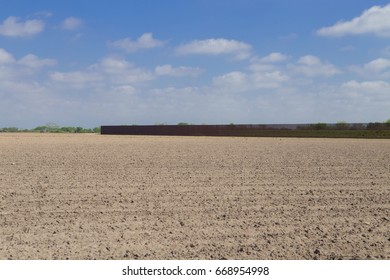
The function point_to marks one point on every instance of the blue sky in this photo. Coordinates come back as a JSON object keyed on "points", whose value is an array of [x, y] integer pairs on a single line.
{"points": [[90, 63]]}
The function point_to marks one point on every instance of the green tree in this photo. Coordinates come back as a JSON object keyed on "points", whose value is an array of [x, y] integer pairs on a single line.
{"points": [[10, 129], [319, 126], [52, 127], [387, 124], [41, 128], [79, 129], [68, 129]]}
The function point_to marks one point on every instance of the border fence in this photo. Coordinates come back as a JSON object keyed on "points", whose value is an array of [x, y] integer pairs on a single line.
{"points": [[370, 130]]}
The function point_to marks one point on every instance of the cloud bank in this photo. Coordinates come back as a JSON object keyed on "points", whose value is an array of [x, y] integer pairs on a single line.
{"points": [[14, 27], [375, 20], [241, 84], [239, 50], [145, 41]]}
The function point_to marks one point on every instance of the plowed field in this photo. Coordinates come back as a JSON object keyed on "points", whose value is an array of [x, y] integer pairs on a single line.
{"points": [[81, 196]]}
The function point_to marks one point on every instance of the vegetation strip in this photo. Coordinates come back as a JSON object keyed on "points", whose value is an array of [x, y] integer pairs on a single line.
{"points": [[374, 130]]}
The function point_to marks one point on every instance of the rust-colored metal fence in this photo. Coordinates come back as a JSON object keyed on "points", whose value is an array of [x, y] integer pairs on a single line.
{"points": [[352, 130], [183, 130]]}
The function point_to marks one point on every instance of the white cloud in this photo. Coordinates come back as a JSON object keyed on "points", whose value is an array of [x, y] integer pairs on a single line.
{"points": [[373, 96], [237, 81], [309, 60], [76, 78], [113, 65], [6, 57], [264, 73], [239, 50], [121, 71], [378, 65], [13, 27], [10, 70], [376, 69], [312, 66], [375, 20], [124, 90], [71, 23], [264, 89], [22, 70], [33, 61], [108, 72], [146, 41], [194, 105], [274, 57], [368, 87], [181, 71], [273, 79], [267, 63]]}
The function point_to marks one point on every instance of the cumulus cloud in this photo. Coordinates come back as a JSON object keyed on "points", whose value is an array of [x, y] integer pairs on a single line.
{"points": [[267, 63], [120, 71], [75, 78], [375, 92], [312, 66], [264, 73], [375, 20], [376, 69], [71, 23], [34, 61], [109, 71], [264, 89], [235, 80], [273, 79], [378, 65], [18, 70], [146, 41], [274, 57], [124, 90], [6, 57], [368, 86], [181, 71], [14, 27], [113, 65], [239, 50], [22, 70]]}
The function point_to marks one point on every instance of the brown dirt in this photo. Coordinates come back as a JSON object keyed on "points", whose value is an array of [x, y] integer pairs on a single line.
{"points": [[135, 197]]}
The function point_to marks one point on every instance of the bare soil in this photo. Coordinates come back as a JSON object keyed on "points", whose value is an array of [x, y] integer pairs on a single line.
{"points": [[81, 196]]}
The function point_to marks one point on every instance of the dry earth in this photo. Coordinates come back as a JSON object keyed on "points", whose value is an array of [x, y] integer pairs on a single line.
{"points": [[125, 197]]}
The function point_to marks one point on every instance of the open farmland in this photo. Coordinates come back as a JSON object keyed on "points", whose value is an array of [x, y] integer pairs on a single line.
{"points": [[161, 197]]}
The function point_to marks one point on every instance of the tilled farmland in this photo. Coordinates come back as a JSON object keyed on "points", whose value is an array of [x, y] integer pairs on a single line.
{"points": [[86, 196]]}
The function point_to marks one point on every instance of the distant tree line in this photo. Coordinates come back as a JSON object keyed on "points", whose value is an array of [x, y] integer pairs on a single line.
{"points": [[342, 125], [53, 128]]}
